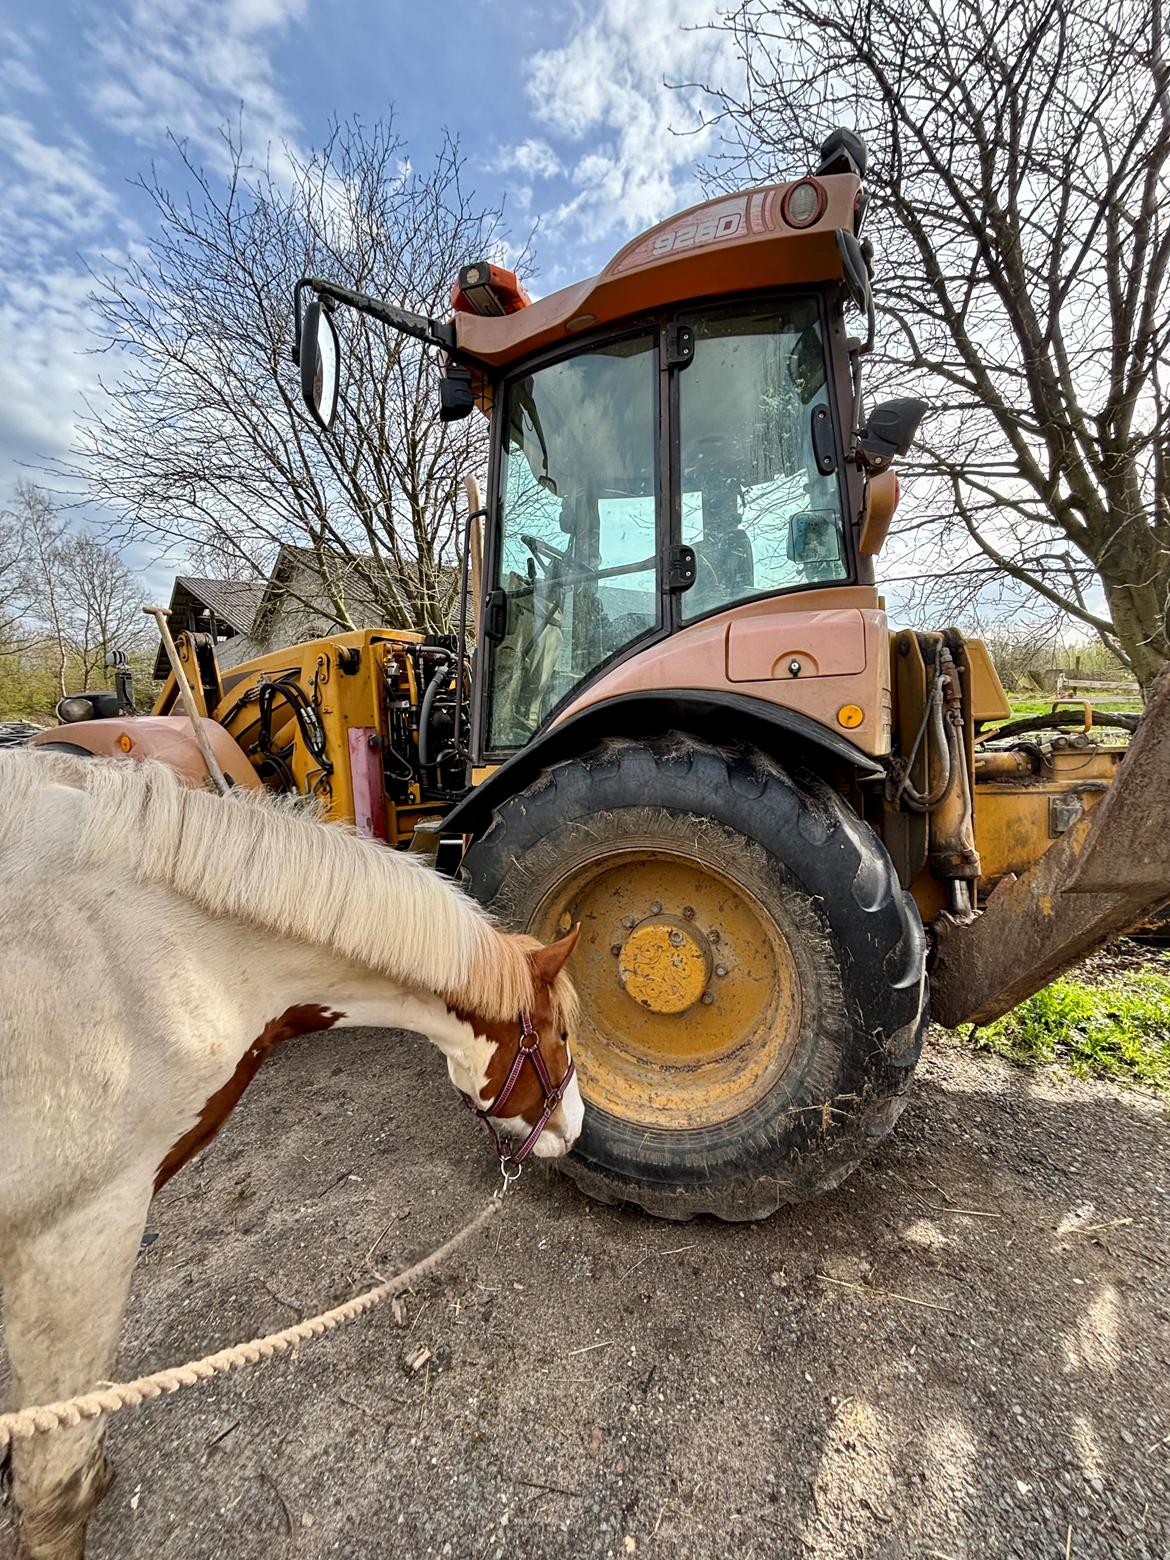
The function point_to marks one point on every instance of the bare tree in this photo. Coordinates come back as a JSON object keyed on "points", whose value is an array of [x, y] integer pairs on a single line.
{"points": [[1020, 175], [41, 534], [14, 596], [201, 440], [66, 599], [101, 607]]}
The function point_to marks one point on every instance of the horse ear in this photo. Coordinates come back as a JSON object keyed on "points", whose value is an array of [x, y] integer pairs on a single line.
{"points": [[548, 962]]}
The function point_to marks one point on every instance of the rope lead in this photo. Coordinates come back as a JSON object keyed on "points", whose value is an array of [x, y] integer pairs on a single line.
{"points": [[27, 1422]]}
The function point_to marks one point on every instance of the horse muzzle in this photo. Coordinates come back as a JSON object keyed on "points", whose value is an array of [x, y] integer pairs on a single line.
{"points": [[547, 1138]]}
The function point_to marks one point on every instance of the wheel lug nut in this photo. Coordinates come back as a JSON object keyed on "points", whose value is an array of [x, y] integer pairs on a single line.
{"points": [[708, 997], [628, 921], [713, 936], [615, 949], [676, 939], [721, 969], [688, 912], [656, 907]]}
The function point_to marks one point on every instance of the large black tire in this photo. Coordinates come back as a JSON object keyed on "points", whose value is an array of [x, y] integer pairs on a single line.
{"points": [[783, 841]]}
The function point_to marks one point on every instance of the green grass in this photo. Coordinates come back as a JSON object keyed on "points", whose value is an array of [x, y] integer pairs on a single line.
{"points": [[1118, 1030]]}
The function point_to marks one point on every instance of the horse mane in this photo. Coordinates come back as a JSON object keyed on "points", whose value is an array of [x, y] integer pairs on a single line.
{"points": [[268, 860]]}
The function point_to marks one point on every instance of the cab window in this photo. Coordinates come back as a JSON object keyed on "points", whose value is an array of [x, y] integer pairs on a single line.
{"points": [[759, 514]]}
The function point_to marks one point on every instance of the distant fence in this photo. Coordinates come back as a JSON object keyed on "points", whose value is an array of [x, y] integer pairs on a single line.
{"points": [[1063, 683]]}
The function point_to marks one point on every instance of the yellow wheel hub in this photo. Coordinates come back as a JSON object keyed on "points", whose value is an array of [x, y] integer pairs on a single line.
{"points": [[690, 997], [663, 967]]}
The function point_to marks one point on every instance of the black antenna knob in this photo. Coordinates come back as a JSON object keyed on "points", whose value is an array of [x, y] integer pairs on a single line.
{"points": [[843, 152]]}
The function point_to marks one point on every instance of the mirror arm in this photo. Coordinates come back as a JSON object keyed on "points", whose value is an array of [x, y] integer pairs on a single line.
{"points": [[437, 333], [297, 315]]}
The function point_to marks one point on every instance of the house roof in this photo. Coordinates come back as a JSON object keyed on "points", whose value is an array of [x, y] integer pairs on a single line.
{"points": [[233, 603], [312, 591], [293, 600]]}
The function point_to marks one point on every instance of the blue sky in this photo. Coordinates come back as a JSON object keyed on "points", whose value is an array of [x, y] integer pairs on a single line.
{"points": [[559, 107]]}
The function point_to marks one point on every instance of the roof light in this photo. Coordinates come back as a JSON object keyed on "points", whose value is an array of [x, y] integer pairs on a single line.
{"points": [[484, 288], [804, 203]]}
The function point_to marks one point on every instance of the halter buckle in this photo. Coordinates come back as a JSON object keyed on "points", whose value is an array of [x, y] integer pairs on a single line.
{"points": [[509, 1172]]}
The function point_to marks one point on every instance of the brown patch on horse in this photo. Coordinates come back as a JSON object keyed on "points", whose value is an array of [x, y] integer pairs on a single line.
{"points": [[299, 1020], [527, 1098]]}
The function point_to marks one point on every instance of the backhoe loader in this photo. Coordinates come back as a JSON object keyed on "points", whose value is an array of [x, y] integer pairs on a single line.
{"points": [[788, 831]]}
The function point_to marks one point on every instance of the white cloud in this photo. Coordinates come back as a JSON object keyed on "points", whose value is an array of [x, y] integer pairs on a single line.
{"points": [[48, 366], [186, 66], [607, 87], [189, 67], [19, 76], [48, 191], [533, 157], [17, 71]]}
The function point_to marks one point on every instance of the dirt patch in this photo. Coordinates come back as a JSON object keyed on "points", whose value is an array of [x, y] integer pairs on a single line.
{"points": [[963, 1352]]}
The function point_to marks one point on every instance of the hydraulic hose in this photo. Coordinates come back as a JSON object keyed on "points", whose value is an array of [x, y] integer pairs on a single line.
{"points": [[439, 677], [946, 746]]}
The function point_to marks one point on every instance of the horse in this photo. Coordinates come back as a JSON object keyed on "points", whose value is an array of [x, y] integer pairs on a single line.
{"points": [[158, 940]]}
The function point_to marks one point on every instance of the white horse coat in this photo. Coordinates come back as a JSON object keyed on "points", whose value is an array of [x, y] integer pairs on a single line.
{"points": [[154, 939]]}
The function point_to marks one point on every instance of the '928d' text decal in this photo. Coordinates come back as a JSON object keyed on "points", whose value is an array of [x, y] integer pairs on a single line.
{"points": [[687, 234], [730, 219]]}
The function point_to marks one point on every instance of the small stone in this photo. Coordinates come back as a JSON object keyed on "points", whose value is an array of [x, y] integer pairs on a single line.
{"points": [[307, 1519], [629, 1543]]}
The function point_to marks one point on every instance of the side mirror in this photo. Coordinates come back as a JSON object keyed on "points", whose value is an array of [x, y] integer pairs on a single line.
{"points": [[320, 354], [890, 431]]}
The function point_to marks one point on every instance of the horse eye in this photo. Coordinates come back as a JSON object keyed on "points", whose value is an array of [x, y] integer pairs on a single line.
{"points": [[565, 1036]]}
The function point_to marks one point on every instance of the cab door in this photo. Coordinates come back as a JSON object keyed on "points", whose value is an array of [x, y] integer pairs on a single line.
{"points": [[576, 573]]}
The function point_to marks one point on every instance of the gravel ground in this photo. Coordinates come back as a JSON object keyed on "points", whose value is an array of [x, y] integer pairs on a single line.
{"points": [[963, 1352]]}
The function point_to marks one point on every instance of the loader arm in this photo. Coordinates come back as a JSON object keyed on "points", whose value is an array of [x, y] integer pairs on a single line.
{"points": [[1107, 873]]}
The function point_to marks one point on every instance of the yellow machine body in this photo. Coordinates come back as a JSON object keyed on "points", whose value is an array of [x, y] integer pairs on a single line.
{"points": [[356, 683]]}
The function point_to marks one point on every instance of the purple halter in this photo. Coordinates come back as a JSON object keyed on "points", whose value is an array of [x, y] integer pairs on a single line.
{"points": [[528, 1050]]}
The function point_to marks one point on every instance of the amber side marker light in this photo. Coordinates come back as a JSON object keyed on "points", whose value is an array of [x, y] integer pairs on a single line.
{"points": [[850, 716], [804, 203], [125, 743]]}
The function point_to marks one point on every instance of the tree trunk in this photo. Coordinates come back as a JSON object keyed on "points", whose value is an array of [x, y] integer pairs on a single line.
{"points": [[1136, 580]]}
